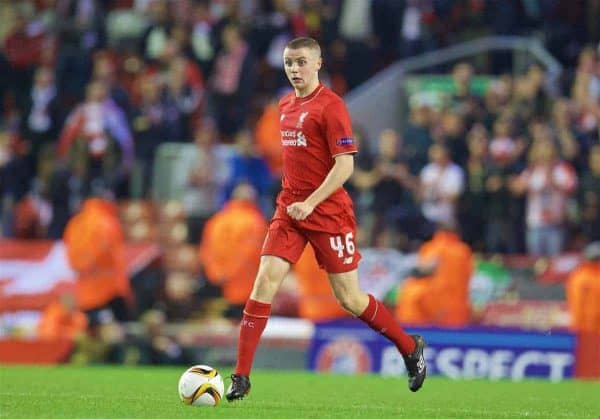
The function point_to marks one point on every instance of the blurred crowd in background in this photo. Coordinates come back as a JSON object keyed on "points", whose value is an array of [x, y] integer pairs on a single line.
{"points": [[89, 90]]}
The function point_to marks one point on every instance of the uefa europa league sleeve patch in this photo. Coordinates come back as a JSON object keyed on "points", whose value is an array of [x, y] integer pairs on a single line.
{"points": [[345, 142]]}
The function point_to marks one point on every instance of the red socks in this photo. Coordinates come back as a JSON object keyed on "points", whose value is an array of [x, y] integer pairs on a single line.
{"points": [[379, 318], [256, 314], [253, 323]]}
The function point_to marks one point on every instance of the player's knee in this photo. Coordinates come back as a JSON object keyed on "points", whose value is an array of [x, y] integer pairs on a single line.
{"points": [[348, 302], [267, 282], [265, 279]]}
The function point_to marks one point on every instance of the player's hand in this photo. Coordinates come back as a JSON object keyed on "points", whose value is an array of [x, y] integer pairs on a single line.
{"points": [[300, 210]]}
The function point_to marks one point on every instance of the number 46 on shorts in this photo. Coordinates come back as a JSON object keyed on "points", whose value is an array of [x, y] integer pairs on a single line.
{"points": [[340, 244]]}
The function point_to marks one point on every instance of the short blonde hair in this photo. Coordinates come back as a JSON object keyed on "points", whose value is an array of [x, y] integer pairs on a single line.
{"points": [[304, 42]]}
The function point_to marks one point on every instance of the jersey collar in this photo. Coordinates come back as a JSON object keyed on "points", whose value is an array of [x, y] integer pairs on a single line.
{"points": [[301, 100]]}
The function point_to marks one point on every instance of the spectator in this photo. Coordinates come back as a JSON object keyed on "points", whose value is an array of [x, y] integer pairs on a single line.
{"points": [[155, 121], [96, 123], [210, 171], [42, 118], [589, 197], [464, 102], [567, 139], [233, 81], [442, 182], [15, 176], [231, 246], [501, 207], [249, 167], [201, 37], [267, 138], [65, 194], [585, 93], [586, 86], [96, 251], [497, 99], [417, 138], [451, 132], [359, 186], [548, 183], [158, 347], [503, 144], [73, 69], [473, 200], [105, 71], [392, 186], [583, 292], [355, 43], [158, 32], [185, 95], [24, 48], [183, 295], [529, 98], [86, 20], [413, 31], [438, 293]]}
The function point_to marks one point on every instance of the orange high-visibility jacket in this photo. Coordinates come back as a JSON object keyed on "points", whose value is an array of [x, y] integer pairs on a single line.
{"points": [[443, 297], [316, 299], [231, 246], [96, 251], [268, 138], [583, 297]]}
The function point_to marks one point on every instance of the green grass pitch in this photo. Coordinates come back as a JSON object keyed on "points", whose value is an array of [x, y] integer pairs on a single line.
{"points": [[129, 392]]}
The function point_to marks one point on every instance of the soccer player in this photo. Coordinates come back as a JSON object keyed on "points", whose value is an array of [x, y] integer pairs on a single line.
{"points": [[313, 207]]}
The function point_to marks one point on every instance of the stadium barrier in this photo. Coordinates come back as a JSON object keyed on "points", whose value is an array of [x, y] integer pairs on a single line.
{"points": [[347, 346], [35, 351], [35, 272]]}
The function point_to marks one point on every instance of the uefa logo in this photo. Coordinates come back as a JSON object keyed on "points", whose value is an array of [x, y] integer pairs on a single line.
{"points": [[344, 356]]}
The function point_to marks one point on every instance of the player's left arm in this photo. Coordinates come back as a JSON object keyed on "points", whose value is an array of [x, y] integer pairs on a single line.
{"points": [[335, 179]]}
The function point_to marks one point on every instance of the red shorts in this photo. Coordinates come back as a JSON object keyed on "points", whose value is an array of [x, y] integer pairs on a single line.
{"points": [[330, 229]]}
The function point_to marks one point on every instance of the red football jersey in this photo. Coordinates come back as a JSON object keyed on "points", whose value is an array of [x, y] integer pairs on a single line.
{"points": [[314, 129]]}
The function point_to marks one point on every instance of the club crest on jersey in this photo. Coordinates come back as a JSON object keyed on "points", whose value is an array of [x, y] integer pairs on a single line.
{"points": [[301, 119], [301, 140]]}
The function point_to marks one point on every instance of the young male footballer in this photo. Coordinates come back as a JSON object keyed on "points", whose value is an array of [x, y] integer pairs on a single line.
{"points": [[313, 207]]}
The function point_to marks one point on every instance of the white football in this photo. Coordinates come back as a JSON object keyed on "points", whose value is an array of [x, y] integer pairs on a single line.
{"points": [[201, 385]]}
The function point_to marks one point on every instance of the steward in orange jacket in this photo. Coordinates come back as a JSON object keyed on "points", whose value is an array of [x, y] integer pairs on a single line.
{"points": [[96, 251], [439, 293], [268, 138], [316, 300], [231, 245], [583, 292]]}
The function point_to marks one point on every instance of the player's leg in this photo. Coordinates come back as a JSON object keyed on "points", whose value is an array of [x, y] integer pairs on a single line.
{"points": [[337, 253], [271, 272], [283, 246], [375, 314]]}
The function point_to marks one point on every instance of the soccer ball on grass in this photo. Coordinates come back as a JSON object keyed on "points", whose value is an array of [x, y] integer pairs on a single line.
{"points": [[201, 385]]}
